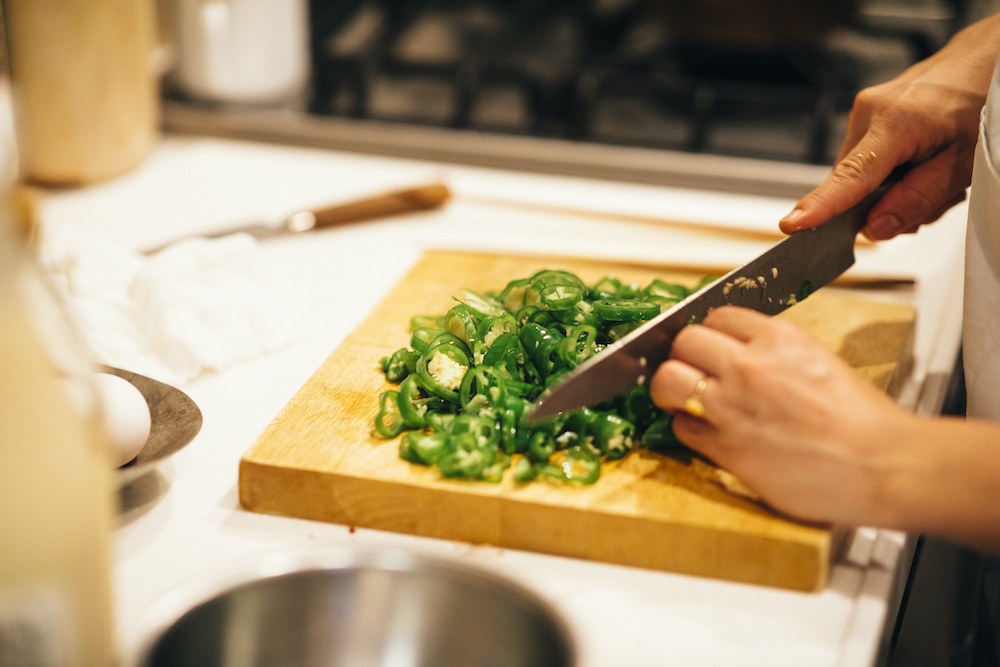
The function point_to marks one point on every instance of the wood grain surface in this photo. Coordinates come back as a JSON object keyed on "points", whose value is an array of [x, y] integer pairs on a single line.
{"points": [[320, 458]]}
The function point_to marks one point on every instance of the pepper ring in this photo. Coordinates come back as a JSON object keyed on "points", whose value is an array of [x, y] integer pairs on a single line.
{"points": [[693, 405]]}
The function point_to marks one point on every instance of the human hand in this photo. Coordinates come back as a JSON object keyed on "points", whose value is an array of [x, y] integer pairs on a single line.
{"points": [[929, 117], [784, 414]]}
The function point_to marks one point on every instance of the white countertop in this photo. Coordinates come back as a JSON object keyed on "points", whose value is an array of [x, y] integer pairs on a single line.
{"points": [[183, 521]]}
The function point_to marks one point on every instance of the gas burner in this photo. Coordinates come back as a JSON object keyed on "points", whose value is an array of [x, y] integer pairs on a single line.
{"points": [[604, 72]]}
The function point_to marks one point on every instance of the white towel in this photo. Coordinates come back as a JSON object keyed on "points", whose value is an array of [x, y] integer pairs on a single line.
{"points": [[196, 307]]}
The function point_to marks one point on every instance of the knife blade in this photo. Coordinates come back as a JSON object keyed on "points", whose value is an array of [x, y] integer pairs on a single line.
{"points": [[380, 206], [783, 275]]}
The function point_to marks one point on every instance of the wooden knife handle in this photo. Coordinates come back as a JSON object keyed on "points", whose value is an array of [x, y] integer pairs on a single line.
{"points": [[383, 206]]}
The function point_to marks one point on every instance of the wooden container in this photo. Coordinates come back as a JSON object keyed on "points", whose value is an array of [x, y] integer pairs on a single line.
{"points": [[86, 98]]}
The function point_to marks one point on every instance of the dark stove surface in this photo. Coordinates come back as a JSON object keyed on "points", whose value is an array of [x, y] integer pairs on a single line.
{"points": [[604, 71]]}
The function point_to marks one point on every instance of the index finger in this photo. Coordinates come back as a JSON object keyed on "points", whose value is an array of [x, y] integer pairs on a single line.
{"points": [[857, 174], [736, 322]]}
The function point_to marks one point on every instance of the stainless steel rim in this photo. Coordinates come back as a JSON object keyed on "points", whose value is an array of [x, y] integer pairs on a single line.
{"points": [[172, 606]]}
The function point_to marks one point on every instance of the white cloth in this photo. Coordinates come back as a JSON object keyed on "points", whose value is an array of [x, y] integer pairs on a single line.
{"points": [[981, 319], [197, 306]]}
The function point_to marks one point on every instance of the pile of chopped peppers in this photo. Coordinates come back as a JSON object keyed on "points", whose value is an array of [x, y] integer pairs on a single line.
{"points": [[469, 376]]}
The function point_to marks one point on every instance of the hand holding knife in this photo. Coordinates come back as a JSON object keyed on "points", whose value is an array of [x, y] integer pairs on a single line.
{"points": [[786, 273]]}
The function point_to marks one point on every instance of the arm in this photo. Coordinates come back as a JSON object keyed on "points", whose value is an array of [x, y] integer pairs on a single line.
{"points": [[928, 116], [816, 441]]}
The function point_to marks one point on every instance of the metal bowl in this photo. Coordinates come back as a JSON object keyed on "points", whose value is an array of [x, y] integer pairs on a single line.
{"points": [[361, 610], [174, 422]]}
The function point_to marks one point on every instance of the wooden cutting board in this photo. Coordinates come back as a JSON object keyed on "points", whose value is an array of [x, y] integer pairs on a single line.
{"points": [[320, 458]]}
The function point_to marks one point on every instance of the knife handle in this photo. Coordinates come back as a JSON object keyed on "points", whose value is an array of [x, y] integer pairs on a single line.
{"points": [[895, 176], [381, 206]]}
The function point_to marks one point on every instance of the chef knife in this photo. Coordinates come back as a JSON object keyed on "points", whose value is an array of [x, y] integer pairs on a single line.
{"points": [[380, 206], [785, 274]]}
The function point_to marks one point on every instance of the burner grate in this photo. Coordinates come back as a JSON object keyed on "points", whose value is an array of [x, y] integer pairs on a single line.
{"points": [[601, 72]]}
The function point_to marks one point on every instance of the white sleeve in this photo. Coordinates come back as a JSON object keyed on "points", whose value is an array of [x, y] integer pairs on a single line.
{"points": [[981, 318]]}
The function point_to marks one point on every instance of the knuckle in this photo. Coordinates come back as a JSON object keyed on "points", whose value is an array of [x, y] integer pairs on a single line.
{"points": [[785, 330], [849, 170], [897, 117], [684, 338], [746, 369], [926, 200], [867, 97], [717, 316]]}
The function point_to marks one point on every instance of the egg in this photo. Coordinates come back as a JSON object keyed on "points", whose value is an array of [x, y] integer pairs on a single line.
{"points": [[126, 416]]}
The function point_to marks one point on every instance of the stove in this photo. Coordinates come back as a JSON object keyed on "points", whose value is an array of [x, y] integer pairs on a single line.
{"points": [[593, 88]]}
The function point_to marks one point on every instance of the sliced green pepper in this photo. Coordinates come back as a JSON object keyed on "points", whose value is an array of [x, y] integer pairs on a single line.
{"points": [[389, 421], [482, 382], [546, 277], [494, 472], [468, 458], [670, 291], [422, 337], [703, 283], [660, 434], [540, 344], [460, 321], [406, 453], [413, 406], [399, 365], [579, 421], [441, 368], [637, 407], [429, 448], [524, 315], [492, 328], [605, 288], [510, 423], [428, 321], [481, 305], [626, 310], [807, 289], [471, 374], [577, 464], [612, 435], [440, 422], [445, 338], [561, 297], [579, 345], [524, 470], [541, 446], [512, 297]]}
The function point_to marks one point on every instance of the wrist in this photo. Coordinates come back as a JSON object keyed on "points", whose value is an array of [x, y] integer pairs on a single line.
{"points": [[942, 480], [900, 475]]}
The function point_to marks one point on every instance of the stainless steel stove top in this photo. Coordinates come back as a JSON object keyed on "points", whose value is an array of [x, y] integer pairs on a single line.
{"points": [[588, 88]]}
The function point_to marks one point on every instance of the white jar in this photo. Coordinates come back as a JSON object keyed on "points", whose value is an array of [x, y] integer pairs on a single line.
{"points": [[252, 52]]}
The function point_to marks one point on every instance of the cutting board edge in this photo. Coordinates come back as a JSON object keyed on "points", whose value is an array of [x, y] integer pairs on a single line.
{"points": [[792, 529], [511, 523]]}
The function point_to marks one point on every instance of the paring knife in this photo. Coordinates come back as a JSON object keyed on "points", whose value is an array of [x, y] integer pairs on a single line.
{"points": [[785, 274], [380, 206]]}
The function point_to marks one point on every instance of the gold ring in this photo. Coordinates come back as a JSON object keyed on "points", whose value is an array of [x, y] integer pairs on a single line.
{"points": [[693, 405]]}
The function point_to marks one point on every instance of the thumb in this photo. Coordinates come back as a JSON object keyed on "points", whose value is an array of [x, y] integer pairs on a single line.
{"points": [[858, 173], [921, 197]]}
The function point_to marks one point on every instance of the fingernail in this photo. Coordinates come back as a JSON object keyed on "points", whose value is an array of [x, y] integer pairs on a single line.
{"points": [[788, 222], [885, 226]]}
